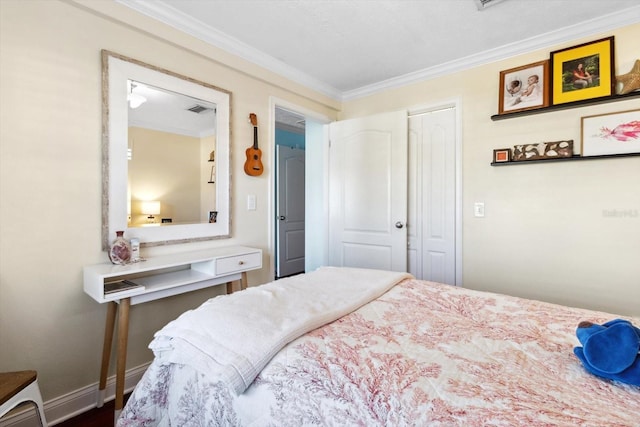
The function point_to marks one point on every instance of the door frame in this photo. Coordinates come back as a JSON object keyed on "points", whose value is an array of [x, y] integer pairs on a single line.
{"points": [[275, 102], [457, 104]]}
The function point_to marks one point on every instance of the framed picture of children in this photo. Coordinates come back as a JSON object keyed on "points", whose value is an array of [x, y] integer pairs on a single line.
{"points": [[524, 88], [585, 71]]}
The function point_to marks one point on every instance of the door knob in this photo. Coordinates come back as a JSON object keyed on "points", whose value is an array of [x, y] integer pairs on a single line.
{"points": [[399, 224], [282, 217]]}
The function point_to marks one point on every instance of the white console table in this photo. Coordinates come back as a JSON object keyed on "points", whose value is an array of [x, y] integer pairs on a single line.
{"points": [[160, 277]]}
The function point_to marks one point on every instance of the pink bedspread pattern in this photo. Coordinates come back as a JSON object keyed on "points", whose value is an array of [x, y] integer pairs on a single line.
{"points": [[424, 354]]}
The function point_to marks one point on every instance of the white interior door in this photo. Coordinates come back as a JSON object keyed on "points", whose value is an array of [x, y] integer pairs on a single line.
{"points": [[368, 192], [290, 211], [432, 200]]}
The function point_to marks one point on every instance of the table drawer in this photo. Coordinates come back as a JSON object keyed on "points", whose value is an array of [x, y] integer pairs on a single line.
{"points": [[238, 263]]}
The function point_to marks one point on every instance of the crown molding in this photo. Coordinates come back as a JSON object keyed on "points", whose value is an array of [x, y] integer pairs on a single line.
{"points": [[187, 24], [605, 23]]}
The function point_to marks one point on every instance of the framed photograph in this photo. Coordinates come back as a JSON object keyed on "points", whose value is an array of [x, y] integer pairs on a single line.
{"points": [[613, 133], [584, 71], [524, 88], [502, 155], [213, 217]]}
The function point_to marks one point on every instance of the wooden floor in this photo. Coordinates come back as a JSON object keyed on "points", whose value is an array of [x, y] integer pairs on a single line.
{"points": [[97, 417]]}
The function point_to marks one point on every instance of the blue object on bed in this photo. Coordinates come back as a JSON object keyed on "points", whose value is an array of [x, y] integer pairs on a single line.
{"points": [[610, 350]]}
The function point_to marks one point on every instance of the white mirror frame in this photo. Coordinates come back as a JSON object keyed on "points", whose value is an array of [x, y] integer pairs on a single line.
{"points": [[116, 71]]}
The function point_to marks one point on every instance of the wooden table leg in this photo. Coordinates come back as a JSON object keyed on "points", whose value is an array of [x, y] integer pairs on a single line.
{"points": [[106, 351], [123, 333], [229, 288], [243, 281]]}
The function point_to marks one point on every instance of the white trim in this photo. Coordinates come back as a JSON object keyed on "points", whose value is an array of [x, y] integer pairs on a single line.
{"points": [[74, 403], [459, 206], [176, 19]]}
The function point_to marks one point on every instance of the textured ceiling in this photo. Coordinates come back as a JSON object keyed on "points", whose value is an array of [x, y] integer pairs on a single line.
{"points": [[344, 48], [289, 120], [168, 111]]}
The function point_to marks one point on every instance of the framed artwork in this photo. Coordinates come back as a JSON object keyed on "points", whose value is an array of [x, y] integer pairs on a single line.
{"points": [[213, 217], [502, 155], [543, 150], [524, 88], [584, 71], [613, 133]]}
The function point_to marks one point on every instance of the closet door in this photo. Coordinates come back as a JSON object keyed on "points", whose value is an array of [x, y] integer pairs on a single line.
{"points": [[368, 192], [432, 196]]}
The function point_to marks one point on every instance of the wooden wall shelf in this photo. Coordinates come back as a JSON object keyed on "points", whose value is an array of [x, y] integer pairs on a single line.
{"points": [[568, 105], [565, 159]]}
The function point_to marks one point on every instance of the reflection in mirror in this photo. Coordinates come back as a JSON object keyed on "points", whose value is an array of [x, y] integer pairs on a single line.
{"points": [[171, 138], [166, 155]]}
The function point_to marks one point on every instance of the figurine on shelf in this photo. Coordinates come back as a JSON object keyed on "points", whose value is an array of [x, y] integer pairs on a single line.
{"points": [[630, 81], [120, 250]]}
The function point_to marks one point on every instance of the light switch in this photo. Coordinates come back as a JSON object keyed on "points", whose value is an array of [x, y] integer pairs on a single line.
{"points": [[251, 202], [478, 209]]}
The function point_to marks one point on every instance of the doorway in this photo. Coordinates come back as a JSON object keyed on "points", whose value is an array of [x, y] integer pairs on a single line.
{"points": [[310, 136], [289, 193]]}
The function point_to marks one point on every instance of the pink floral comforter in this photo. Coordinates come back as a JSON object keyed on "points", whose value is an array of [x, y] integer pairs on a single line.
{"points": [[423, 354]]}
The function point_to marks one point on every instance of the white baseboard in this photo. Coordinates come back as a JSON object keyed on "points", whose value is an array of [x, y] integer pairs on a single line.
{"points": [[69, 405]]}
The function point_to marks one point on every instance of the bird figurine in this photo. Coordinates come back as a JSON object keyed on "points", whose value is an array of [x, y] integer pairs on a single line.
{"points": [[631, 80]]}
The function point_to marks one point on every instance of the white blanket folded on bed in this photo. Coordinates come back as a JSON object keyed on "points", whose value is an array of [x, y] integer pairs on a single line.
{"points": [[232, 337]]}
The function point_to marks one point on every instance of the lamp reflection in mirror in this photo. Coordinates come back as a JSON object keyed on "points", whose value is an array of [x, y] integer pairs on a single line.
{"points": [[151, 208]]}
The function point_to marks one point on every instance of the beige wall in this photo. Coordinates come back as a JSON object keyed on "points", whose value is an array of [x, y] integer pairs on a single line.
{"points": [[546, 234], [50, 176]]}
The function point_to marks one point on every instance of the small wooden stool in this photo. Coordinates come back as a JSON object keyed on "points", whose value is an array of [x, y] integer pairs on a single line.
{"points": [[19, 387]]}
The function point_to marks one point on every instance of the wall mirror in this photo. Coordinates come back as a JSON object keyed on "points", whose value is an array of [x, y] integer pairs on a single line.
{"points": [[166, 155]]}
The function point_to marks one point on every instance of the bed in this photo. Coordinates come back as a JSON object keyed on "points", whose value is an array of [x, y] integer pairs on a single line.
{"points": [[401, 352]]}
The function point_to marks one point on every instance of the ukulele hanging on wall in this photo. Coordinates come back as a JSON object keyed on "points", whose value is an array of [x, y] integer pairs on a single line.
{"points": [[253, 164]]}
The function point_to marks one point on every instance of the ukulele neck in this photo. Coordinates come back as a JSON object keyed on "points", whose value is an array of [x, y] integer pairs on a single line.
{"points": [[255, 137]]}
